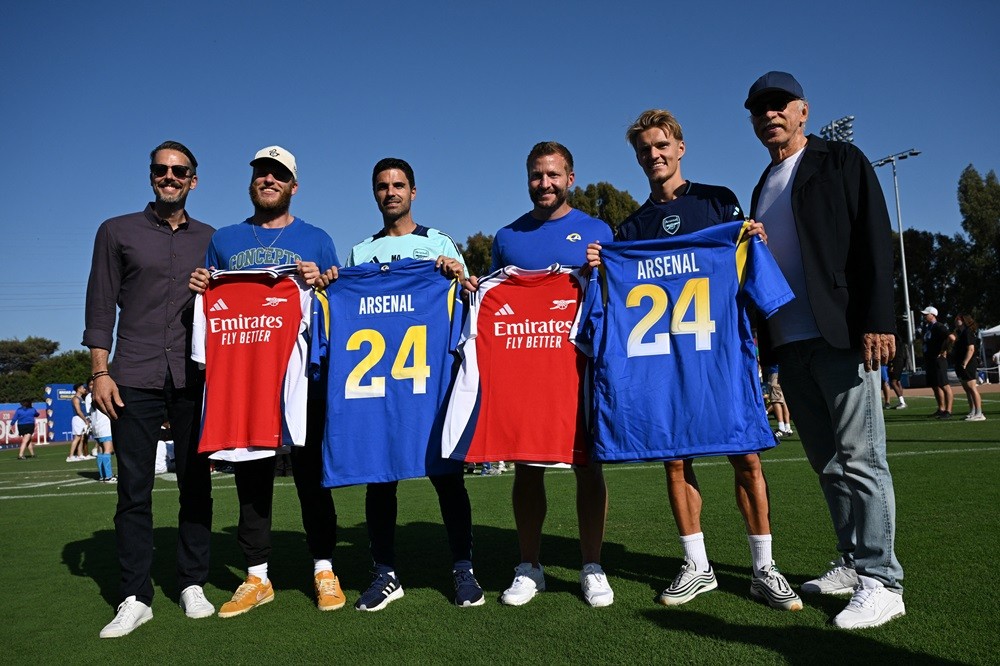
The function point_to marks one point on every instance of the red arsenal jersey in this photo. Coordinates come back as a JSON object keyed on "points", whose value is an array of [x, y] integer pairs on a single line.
{"points": [[246, 329], [518, 393]]}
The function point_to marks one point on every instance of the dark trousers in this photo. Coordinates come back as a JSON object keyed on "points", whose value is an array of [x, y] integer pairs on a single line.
{"points": [[381, 510], [255, 489], [135, 433]]}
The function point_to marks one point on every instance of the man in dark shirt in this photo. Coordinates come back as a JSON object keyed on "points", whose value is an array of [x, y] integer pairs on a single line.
{"points": [[936, 362], [141, 265]]}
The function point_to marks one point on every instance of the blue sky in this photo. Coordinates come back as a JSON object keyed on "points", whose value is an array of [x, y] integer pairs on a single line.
{"points": [[460, 90]]}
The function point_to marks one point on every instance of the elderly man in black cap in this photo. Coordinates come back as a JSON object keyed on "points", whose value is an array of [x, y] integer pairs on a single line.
{"points": [[828, 229]]}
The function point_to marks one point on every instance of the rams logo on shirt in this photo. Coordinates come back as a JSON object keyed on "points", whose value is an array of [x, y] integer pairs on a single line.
{"points": [[671, 223], [574, 237]]}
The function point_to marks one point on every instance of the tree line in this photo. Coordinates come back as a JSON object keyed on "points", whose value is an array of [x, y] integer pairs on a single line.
{"points": [[956, 274]]}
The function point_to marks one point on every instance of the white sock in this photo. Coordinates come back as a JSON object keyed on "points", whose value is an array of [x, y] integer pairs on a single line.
{"points": [[760, 551], [694, 550], [260, 571], [322, 565]]}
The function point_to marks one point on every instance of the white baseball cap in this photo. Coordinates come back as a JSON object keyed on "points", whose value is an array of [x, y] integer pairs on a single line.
{"points": [[931, 310], [279, 155]]}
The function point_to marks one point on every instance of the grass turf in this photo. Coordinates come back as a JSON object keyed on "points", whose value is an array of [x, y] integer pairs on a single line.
{"points": [[61, 573]]}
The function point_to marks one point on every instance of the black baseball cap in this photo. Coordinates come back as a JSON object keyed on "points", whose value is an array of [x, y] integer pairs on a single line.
{"points": [[774, 82]]}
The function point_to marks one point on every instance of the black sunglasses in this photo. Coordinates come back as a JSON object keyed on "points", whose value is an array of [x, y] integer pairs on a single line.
{"points": [[277, 170], [770, 104], [179, 171]]}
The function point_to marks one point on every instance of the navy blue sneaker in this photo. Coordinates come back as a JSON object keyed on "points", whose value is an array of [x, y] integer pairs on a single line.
{"points": [[467, 590], [384, 590]]}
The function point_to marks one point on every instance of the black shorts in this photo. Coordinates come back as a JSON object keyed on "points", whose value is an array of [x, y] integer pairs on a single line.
{"points": [[25, 429], [896, 368], [937, 371], [967, 373]]}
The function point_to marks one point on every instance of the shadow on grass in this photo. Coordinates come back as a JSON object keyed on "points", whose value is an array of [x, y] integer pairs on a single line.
{"points": [[795, 644], [423, 560]]}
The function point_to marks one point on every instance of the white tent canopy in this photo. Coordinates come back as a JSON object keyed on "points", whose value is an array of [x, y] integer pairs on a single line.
{"points": [[990, 332]]}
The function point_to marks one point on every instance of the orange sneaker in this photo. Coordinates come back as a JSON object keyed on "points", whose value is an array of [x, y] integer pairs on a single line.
{"points": [[329, 596], [249, 595]]}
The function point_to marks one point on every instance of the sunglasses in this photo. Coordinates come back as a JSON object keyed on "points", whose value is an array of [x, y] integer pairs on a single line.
{"points": [[276, 171], [179, 171], [770, 104]]}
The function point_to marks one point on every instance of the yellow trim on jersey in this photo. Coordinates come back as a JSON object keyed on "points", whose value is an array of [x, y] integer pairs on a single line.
{"points": [[324, 302], [742, 248], [452, 295]]}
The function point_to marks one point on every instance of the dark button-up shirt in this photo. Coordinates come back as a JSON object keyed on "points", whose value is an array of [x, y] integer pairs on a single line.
{"points": [[142, 267]]}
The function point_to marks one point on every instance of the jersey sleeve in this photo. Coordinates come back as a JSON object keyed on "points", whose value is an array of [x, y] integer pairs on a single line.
{"points": [[761, 278], [319, 331], [586, 331], [198, 331]]}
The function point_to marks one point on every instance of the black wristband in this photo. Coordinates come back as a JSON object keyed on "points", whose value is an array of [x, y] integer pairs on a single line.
{"points": [[99, 373]]}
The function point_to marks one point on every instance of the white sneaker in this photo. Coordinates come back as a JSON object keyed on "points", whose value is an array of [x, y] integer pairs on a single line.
{"points": [[71, 459], [772, 588], [596, 589], [194, 604], [871, 606], [131, 613], [528, 581], [976, 417], [840, 579]]}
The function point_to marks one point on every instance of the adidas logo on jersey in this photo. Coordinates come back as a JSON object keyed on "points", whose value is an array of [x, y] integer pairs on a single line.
{"points": [[219, 305], [561, 304], [505, 310], [273, 302]]}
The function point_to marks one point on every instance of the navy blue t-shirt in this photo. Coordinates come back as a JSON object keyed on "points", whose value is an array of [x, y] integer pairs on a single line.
{"points": [[698, 207]]}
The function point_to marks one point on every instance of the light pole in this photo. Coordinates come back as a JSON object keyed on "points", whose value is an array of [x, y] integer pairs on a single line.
{"points": [[841, 129], [892, 159]]}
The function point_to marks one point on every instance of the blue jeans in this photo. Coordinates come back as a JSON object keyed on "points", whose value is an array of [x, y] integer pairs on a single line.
{"points": [[837, 410]]}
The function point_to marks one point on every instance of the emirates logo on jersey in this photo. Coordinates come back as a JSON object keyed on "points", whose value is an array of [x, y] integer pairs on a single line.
{"points": [[529, 334], [671, 224]]}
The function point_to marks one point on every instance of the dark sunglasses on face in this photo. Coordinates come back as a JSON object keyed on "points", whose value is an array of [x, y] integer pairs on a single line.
{"points": [[179, 171], [278, 172], [770, 104]]}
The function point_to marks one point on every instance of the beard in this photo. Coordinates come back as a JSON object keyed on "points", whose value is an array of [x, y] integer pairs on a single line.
{"points": [[279, 205], [176, 197], [560, 194]]}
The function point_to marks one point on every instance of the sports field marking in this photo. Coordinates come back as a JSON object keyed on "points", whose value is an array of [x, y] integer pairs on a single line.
{"points": [[105, 490]]}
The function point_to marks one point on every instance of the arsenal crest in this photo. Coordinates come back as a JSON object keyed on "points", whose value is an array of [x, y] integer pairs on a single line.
{"points": [[671, 223]]}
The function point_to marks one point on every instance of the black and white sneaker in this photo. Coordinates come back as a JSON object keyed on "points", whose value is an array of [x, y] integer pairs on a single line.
{"points": [[688, 584], [772, 588], [384, 590]]}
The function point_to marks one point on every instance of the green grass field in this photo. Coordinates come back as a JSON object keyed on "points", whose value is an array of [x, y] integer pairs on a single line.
{"points": [[61, 575]]}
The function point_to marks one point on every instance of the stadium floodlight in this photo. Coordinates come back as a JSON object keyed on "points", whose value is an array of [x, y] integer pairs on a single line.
{"points": [[892, 159], [841, 129]]}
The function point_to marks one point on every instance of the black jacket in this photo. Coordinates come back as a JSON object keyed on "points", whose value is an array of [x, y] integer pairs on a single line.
{"points": [[846, 242]]}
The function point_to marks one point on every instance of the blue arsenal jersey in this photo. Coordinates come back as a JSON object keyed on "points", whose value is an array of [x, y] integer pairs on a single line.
{"points": [[387, 333], [675, 374]]}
